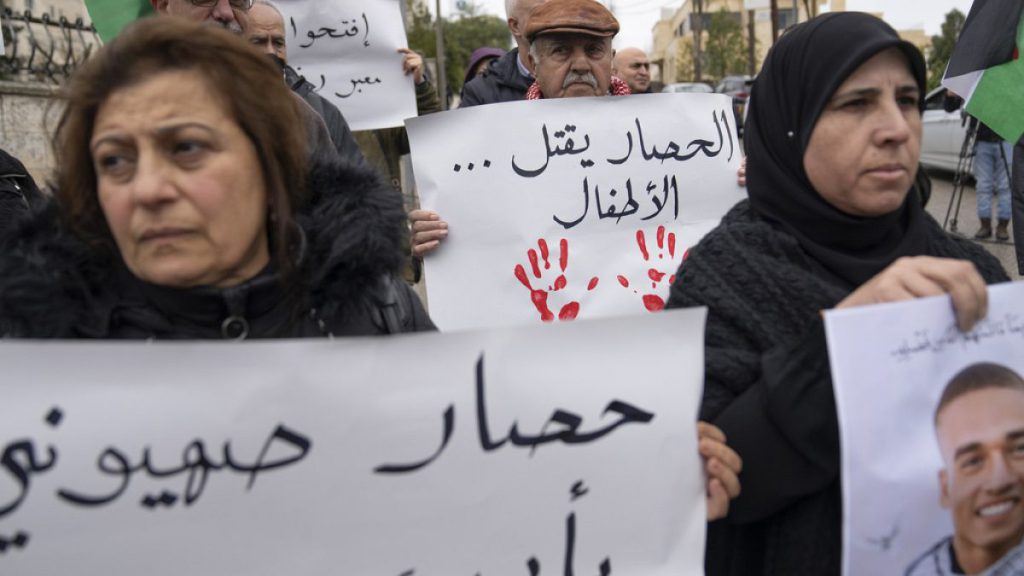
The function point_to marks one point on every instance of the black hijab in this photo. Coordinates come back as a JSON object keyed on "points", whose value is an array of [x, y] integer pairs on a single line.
{"points": [[800, 74]]}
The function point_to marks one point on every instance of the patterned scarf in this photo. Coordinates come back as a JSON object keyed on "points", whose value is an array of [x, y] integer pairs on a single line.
{"points": [[619, 88]]}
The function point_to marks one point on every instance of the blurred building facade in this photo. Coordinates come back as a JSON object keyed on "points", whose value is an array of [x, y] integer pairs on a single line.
{"points": [[673, 35]]}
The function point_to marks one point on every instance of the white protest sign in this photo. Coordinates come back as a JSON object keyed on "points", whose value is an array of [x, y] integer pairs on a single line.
{"points": [[577, 207], [348, 50], [890, 365], [516, 452]]}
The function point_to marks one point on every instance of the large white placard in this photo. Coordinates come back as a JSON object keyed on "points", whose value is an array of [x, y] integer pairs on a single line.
{"points": [[527, 451], [577, 207], [890, 365], [348, 50]]}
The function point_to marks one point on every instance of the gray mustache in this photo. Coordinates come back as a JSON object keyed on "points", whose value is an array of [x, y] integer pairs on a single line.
{"points": [[572, 78]]}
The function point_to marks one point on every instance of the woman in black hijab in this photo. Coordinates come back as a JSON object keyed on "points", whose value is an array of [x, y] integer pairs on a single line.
{"points": [[833, 220]]}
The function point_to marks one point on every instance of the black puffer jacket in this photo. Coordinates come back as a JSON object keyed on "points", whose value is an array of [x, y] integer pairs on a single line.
{"points": [[18, 191], [501, 82], [769, 388], [54, 286]]}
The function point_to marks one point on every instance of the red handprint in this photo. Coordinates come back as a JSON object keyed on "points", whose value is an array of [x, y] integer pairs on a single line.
{"points": [[654, 302], [539, 296]]}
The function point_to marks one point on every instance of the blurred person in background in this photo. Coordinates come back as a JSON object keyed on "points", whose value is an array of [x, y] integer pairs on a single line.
{"points": [[632, 66], [480, 60], [508, 78]]}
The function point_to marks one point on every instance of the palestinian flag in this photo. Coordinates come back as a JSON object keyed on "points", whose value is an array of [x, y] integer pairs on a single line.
{"points": [[986, 69], [110, 16]]}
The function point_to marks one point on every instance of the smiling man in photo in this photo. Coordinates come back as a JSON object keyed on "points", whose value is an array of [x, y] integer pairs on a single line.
{"points": [[979, 424]]}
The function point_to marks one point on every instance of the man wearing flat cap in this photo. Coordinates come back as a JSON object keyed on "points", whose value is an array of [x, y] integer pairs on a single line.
{"points": [[571, 50]]}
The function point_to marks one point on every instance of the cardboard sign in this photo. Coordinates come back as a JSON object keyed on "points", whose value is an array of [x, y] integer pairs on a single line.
{"points": [[570, 208], [348, 50], [527, 451]]}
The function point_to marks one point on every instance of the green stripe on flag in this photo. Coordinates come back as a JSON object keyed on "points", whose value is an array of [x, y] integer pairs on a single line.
{"points": [[110, 16], [999, 97]]}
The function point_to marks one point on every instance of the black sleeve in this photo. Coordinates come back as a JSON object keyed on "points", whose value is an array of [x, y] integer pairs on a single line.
{"points": [[418, 320], [784, 426], [470, 93], [341, 135]]}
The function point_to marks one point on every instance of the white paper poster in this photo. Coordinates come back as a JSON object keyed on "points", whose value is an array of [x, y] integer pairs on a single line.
{"points": [[930, 484], [522, 451], [570, 208], [348, 50]]}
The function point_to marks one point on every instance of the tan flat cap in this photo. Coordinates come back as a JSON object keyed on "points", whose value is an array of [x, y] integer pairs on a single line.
{"points": [[571, 16]]}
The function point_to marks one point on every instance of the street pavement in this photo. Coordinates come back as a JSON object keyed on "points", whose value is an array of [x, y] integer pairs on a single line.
{"points": [[967, 219]]}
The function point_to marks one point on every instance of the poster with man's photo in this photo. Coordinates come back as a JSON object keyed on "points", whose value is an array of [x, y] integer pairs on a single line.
{"points": [[932, 435]]}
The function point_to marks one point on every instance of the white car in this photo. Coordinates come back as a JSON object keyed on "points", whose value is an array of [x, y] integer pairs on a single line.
{"points": [[688, 87], [942, 134]]}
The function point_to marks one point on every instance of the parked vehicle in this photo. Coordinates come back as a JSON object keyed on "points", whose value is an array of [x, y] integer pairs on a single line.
{"points": [[942, 133], [738, 87], [689, 87]]}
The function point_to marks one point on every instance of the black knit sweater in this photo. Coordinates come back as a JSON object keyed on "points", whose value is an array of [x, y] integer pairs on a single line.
{"points": [[768, 386]]}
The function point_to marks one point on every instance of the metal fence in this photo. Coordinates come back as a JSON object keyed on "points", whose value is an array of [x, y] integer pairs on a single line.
{"points": [[42, 47]]}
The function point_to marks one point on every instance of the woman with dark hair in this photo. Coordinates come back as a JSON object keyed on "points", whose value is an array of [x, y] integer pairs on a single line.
{"points": [[178, 203], [832, 221]]}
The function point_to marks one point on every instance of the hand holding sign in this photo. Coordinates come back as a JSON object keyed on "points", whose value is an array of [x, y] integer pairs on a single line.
{"points": [[722, 466], [427, 231], [412, 63], [923, 276]]}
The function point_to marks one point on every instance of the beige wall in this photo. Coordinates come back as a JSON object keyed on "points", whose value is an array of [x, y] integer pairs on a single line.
{"points": [[918, 38], [668, 42], [28, 115]]}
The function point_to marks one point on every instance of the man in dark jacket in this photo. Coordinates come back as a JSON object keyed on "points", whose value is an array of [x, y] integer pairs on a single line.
{"points": [[508, 78], [581, 27], [265, 29]]}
